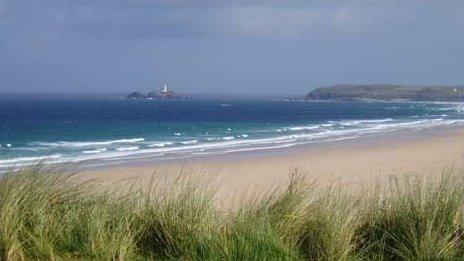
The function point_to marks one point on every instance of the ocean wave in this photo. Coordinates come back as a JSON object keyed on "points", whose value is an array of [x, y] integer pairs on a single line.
{"points": [[28, 149], [456, 107], [257, 148], [86, 143], [189, 142], [15, 161], [279, 146], [230, 143], [299, 128], [340, 124], [131, 148], [358, 122], [407, 124], [94, 151], [160, 144]]}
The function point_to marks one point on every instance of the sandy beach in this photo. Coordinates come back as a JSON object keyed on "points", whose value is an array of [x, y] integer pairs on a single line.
{"points": [[351, 163]]}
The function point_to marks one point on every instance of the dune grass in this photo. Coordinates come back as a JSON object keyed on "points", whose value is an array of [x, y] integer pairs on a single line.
{"points": [[47, 215]]}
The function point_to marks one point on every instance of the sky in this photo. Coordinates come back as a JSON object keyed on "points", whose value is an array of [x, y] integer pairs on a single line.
{"points": [[227, 46]]}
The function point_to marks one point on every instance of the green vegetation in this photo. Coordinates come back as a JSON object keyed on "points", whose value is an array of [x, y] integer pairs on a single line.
{"points": [[50, 216], [388, 92]]}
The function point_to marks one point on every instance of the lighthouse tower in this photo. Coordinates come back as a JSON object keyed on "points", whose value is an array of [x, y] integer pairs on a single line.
{"points": [[164, 88]]}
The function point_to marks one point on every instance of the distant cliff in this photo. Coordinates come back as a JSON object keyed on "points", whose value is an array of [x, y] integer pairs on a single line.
{"points": [[388, 92]]}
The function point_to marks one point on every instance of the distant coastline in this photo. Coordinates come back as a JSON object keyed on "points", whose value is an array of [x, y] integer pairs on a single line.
{"points": [[388, 92]]}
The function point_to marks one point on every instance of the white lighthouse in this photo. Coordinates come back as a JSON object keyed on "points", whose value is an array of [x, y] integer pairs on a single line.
{"points": [[164, 88]]}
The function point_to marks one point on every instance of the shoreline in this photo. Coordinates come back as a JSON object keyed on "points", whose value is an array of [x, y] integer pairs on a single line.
{"points": [[366, 140], [350, 163]]}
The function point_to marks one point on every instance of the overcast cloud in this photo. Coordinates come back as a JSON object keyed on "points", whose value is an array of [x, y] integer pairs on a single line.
{"points": [[221, 46]]}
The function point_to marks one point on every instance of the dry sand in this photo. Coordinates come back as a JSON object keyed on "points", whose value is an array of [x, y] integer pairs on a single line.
{"points": [[350, 163]]}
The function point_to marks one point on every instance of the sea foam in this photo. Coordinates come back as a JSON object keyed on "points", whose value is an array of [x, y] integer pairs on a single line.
{"points": [[94, 151], [131, 148], [86, 143]]}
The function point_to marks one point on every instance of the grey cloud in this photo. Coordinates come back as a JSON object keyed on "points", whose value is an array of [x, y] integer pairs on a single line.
{"points": [[245, 3], [183, 18], [244, 45], [144, 23], [3, 8], [151, 19], [292, 21]]}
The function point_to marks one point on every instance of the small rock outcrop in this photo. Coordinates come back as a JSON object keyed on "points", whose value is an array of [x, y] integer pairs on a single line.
{"points": [[136, 95], [163, 93]]}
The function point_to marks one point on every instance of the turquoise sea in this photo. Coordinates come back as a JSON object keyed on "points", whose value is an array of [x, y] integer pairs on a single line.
{"points": [[102, 129]]}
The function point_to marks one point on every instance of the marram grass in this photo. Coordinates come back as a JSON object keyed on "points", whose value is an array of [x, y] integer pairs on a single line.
{"points": [[48, 215]]}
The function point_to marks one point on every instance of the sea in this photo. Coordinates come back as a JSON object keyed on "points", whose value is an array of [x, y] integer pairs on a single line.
{"points": [[100, 130]]}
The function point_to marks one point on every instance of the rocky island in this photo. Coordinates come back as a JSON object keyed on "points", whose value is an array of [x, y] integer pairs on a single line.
{"points": [[388, 92], [163, 94]]}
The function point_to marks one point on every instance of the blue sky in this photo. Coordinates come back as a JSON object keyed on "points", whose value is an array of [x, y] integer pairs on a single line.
{"points": [[234, 47]]}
